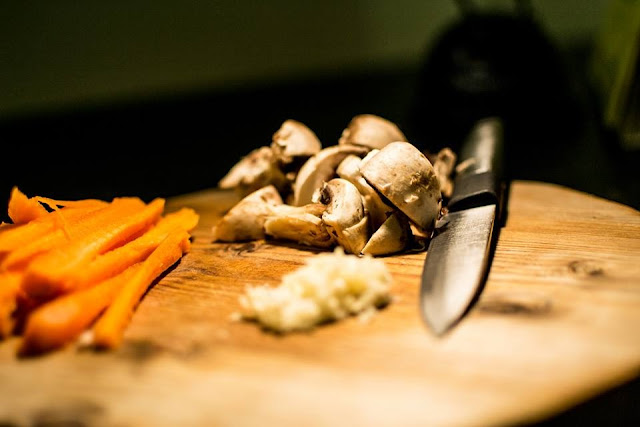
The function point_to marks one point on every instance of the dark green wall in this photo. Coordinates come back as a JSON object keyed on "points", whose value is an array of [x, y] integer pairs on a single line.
{"points": [[68, 53]]}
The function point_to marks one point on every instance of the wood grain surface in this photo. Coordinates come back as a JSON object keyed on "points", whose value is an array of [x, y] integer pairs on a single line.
{"points": [[558, 322]]}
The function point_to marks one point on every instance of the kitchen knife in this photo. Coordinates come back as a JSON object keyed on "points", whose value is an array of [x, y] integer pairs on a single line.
{"points": [[460, 252]]}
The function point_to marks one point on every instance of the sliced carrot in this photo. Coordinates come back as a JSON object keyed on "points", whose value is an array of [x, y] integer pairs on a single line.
{"points": [[26, 241], [117, 260], [60, 321], [71, 204], [111, 227], [23, 209], [9, 289], [108, 330], [16, 236]]}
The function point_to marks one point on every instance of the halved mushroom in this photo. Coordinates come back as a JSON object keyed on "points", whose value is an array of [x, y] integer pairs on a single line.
{"points": [[407, 179], [371, 131], [320, 168], [293, 140], [390, 237], [245, 220], [443, 165], [302, 224], [257, 169], [345, 217], [377, 210]]}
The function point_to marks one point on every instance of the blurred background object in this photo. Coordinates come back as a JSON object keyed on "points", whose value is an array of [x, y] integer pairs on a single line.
{"points": [[99, 99], [615, 73]]}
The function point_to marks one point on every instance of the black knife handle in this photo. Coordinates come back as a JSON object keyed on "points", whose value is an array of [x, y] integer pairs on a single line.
{"points": [[479, 176]]}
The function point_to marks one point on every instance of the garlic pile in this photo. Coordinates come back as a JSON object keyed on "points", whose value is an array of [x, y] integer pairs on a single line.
{"points": [[330, 286], [372, 193]]}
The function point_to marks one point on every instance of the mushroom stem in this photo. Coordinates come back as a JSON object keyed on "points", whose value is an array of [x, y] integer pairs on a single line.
{"points": [[301, 224], [345, 217], [376, 210], [245, 220]]}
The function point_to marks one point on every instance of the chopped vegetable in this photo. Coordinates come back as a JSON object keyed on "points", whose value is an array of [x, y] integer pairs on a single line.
{"points": [[60, 321], [108, 228], [108, 331], [9, 289], [331, 286], [26, 241], [62, 263], [23, 209], [117, 260]]}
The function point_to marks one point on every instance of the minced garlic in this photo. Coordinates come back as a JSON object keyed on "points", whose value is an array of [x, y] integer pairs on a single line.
{"points": [[329, 287]]}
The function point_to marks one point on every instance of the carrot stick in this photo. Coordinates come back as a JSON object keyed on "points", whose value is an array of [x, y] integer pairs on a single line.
{"points": [[9, 289], [26, 241], [60, 321], [108, 330], [117, 260], [71, 204], [16, 236], [23, 209], [116, 224]]}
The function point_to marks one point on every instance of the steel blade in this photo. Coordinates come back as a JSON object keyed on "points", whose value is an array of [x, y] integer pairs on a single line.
{"points": [[456, 266]]}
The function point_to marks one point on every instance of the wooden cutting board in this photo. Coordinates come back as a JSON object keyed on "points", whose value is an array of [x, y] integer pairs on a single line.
{"points": [[558, 322]]}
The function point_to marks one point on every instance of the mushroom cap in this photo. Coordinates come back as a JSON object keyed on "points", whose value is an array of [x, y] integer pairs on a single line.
{"points": [[345, 216], [294, 139], [245, 220], [257, 169], [371, 131], [375, 208], [391, 237], [320, 168], [402, 174]]}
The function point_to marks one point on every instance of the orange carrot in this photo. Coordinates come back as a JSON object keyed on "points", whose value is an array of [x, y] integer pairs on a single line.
{"points": [[108, 330], [9, 289], [117, 260], [5, 226], [60, 321], [26, 241], [71, 204], [23, 209], [111, 227], [16, 236]]}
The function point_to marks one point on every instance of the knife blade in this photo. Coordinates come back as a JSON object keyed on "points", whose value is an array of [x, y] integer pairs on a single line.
{"points": [[460, 253]]}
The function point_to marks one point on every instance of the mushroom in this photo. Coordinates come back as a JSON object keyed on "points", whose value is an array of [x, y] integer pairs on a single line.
{"points": [[257, 169], [390, 237], [294, 140], [320, 168], [371, 131], [245, 220], [407, 179], [344, 216], [443, 165], [375, 208], [301, 224]]}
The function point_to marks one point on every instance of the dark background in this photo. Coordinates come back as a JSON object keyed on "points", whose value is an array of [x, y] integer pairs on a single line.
{"points": [[174, 144], [119, 126], [105, 100]]}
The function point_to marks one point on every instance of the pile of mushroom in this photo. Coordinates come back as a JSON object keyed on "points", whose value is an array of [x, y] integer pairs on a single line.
{"points": [[372, 193]]}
